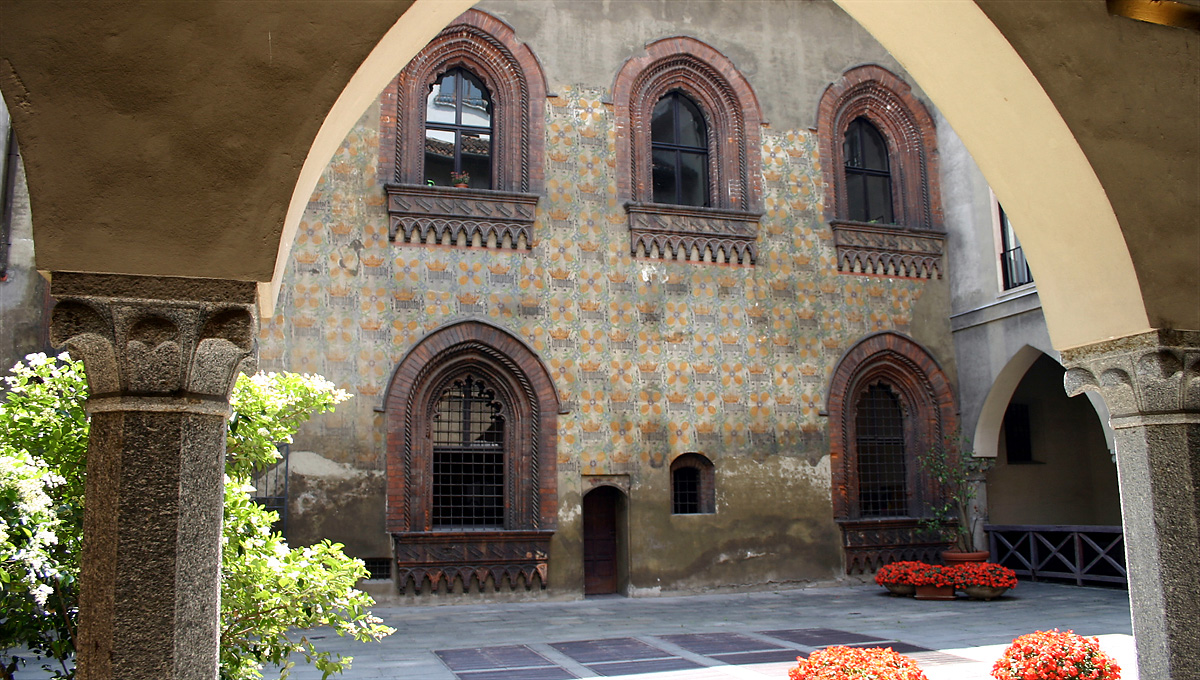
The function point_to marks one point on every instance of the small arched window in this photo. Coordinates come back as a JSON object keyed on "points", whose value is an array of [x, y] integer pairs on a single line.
{"points": [[458, 131], [868, 177], [679, 149], [882, 468], [692, 482]]}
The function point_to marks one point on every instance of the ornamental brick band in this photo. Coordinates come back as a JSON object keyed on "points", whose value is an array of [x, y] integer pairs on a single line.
{"points": [[887, 251], [426, 560], [697, 234], [498, 219]]}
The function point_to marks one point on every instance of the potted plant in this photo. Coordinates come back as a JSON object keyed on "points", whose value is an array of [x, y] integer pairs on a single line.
{"points": [[955, 470], [897, 577], [984, 580], [934, 581], [856, 663], [1054, 655], [460, 179]]}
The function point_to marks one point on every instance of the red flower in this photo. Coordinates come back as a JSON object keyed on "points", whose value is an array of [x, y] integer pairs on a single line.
{"points": [[856, 663], [987, 574], [1053, 655], [898, 573], [935, 575]]}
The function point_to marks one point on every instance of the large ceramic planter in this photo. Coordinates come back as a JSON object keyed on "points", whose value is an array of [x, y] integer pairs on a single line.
{"points": [[935, 593], [957, 557], [901, 589], [983, 592]]}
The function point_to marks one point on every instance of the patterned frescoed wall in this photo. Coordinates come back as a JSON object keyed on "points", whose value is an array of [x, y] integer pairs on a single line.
{"points": [[651, 357]]}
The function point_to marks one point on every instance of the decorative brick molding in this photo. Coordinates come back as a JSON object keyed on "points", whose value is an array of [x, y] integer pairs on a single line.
{"points": [[425, 561], [488, 48], [687, 233], [874, 93], [872, 249], [525, 387], [872, 543], [927, 403], [733, 117], [497, 219]]}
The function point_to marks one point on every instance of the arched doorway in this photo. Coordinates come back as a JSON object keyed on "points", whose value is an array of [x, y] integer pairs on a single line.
{"points": [[604, 541]]}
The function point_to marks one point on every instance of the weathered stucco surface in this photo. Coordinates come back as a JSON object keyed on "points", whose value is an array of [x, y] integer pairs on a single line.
{"points": [[651, 358]]}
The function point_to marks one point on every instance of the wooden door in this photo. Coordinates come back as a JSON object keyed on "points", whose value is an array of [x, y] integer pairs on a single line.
{"points": [[600, 541]]}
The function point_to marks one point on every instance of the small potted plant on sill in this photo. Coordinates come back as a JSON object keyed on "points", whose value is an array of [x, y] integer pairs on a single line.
{"points": [[460, 179], [984, 580], [1054, 655], [956, 470], [897, 577], [856, 663], [935, 581]]}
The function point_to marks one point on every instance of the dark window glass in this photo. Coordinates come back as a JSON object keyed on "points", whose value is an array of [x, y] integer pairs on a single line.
{"points": [[1012, 259], [679, 144], [468, 457], [685, 491], [868, 178], [1018, 440], [458, 130], [882, 469]]}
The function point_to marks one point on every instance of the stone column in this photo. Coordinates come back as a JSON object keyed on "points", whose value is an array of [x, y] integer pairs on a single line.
{"points": [[1151, 383], [161, 356]]}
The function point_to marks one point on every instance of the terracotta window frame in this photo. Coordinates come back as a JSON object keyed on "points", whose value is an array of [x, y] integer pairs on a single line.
{"points": [[707, 502], [500, 217], [519, 552], [727, 230], [888, 103], [923, 390]]}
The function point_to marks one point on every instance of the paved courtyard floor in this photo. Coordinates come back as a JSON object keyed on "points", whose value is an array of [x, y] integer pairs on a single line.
{"points": [[716, 637], [749, 636]]}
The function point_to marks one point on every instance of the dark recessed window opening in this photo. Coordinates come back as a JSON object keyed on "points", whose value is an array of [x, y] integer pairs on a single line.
{"points": [[1012, 258], [458, 130], [468, 457], [868, 177], [1018, 439], [679, 145], [378, 567], [882, 471], [685, 496]]}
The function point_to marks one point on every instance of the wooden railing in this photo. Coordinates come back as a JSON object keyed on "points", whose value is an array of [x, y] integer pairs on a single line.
{"points": [[1083, 554]]}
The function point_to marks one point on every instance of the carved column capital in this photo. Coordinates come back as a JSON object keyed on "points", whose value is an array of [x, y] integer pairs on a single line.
{"points": [[155, 343], [1147, 379]]}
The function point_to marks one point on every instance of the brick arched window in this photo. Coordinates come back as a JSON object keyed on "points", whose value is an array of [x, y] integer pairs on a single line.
{"points": [[473, 100], [693, 482], [471, 421], [721, 222], [888, 402], [879, 157]]}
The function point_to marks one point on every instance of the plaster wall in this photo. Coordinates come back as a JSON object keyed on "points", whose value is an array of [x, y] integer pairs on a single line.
{"points": [[651, 358]]}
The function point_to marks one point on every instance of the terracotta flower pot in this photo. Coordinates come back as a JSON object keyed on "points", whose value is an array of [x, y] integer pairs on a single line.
{"points": [[983, 592], [935, 593], [901, 589], [956, 557]]}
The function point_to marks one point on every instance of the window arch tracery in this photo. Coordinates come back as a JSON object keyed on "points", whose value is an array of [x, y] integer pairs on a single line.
{"points": [[871, 99], [504, 157], [471, 458], [725, 227], [888, 401]]}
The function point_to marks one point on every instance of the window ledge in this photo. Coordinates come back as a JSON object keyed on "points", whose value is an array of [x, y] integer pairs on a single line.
{"points": [[677, 232], [887, 250], [464, 217], [436, 556]]}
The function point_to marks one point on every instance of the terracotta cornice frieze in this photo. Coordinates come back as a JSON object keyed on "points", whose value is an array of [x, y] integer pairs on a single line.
{"points": [[887, 250], [687, 233], [428, 559], [491, 219]]}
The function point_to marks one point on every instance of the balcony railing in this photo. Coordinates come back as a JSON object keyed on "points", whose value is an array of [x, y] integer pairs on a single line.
{"points": [[1083, 554]]}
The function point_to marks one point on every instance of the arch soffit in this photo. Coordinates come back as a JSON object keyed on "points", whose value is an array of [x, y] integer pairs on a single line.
{"points": [[986, 436]]}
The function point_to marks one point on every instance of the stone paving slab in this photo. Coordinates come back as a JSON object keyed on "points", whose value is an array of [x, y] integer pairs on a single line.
{"points": [[973, 633]]}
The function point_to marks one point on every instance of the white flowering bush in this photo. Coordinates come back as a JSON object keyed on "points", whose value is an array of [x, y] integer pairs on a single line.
{"points": [[269, 592]]}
